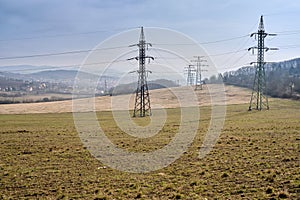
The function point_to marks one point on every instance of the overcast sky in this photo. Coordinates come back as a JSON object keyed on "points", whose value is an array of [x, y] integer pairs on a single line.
{"points": [[29, 27]]}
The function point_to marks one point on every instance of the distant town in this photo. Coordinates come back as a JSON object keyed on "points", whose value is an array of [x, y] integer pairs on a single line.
{"points": [[54, 85]]}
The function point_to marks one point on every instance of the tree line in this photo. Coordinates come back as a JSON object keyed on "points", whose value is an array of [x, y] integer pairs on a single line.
{"points": [[282, 79]]}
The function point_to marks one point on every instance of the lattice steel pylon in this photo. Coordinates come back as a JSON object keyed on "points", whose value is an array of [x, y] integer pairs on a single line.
{"points": [[199, 70], [142, 105], [190, 74], [259, 99]]}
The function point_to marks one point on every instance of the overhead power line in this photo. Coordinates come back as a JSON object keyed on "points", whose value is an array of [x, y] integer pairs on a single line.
{"points": [[201, 43], [292, 46], [60, 53], [65, 35], [225, 53], [111, 48], [225, 40], [63, 66]]}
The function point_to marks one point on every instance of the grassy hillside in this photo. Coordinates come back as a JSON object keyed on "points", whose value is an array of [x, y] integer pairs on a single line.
{"points": [[256, 157]]}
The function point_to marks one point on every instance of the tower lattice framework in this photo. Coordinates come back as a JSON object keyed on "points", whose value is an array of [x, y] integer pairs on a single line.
{"points": [[259, 99], [142, 106], [199, 70], [190, 70]]}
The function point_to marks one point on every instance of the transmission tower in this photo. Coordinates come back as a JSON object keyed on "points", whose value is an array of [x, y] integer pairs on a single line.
{"points": [[259, 100], [105, 87], [199, 70], [190, 74], [142, 106]]}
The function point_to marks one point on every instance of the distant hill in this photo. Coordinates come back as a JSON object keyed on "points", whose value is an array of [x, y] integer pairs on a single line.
{"points": [[283, 78], [50, 81], [59, 75], [131, 87], [54, 74], [50, 76], [27, 69]]}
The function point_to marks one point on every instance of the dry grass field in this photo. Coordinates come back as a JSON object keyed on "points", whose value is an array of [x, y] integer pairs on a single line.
{"points": [[36, 97], [256, 157], [164, 97]]}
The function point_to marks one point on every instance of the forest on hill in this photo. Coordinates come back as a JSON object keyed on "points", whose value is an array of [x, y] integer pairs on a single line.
{"points": [[283, 78]]}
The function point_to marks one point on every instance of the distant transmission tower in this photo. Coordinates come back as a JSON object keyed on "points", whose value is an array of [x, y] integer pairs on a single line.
{"points": [[199, 70], [190, 74], [105, 87], [142, 106], [259, 100]]}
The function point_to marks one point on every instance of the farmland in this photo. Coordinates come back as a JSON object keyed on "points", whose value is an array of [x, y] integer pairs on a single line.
{"points": [[256, 157]]}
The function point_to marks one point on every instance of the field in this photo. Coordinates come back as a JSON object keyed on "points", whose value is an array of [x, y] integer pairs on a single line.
{"points": [[256, 157], [30, 98], [235, 95]]}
